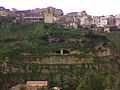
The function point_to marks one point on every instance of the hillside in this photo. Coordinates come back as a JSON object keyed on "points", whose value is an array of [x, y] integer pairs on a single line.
{"points": [[65, 57]]}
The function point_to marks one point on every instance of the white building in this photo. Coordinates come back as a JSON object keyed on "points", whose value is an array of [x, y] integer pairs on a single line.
{"points": [[103, 21], [86, 20], [117, 20], [96, 20]]}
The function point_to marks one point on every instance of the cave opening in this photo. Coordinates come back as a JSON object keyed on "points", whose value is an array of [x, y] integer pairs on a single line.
{"points": [[66, 52], [61, 52]]}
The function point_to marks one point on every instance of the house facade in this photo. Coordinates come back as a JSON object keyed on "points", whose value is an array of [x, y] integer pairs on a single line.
{"points": [[86, 21], [28, 16], [107, 29], [117, 20], [51, 10], [4, 12], [58, 12], [37, 85], [103, 21], [32, 17], [111, 20], [68, 21], [96, 20], [48, 18]]}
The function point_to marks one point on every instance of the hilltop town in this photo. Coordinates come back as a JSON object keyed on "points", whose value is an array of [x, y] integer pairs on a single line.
{"points": [[74, 20], [43, 49]]}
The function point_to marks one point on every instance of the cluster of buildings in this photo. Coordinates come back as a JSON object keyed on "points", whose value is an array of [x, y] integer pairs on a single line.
{"points": [[71, 20], [82, 19], [34, 15]]}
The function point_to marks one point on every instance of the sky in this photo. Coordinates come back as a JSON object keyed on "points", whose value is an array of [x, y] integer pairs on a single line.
{"points": [[92, 7]]}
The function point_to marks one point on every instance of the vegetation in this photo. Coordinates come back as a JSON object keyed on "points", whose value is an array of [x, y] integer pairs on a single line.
{"points": [[33, 38], [24, 45]]}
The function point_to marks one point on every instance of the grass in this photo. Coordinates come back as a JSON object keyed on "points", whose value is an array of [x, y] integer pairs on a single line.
{"points": [[35, 35]]}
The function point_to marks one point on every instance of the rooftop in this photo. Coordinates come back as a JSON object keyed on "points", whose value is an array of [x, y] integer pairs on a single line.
{"points": [[37, 83]]}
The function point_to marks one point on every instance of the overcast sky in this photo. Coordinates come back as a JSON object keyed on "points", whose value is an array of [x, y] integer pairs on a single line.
{"points": [[93, 7]]}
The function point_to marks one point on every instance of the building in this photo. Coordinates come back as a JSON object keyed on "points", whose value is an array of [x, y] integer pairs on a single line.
{"points": [[72, 22], [32, 17], [67, 21], [55, 12], [48, 18], [86, 21], [81, 18], [7, 15], [84, 13], [61, 21], [107, 29], [28, 16], [58, 12], [99, 28], [37, 85], [4, 12], [103, 21], [96, 20], [111, 20], [74, 14], [51, 10], [117, 17], [19, 15], [49, 14]]}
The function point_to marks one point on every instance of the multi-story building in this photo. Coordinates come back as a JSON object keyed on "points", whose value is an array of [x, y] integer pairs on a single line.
{"points": [[86, 21], [111, 20], [68, 21], [32, 17], [58, 12], [28, 16], [103, 21], [4, 12], [48, 18], [50, 14], [76, 19], [117, 17], [72, 22], [51, 10], [96, 20]]}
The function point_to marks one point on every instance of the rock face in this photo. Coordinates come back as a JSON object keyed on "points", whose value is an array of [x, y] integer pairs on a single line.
{"points": [[57, 57], [8, 66], [18, 71], [46, 57], [103, 50], [51, 65]]}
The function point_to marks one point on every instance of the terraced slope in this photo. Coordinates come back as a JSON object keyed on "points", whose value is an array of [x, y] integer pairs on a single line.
{"points": [[65, 57]]}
